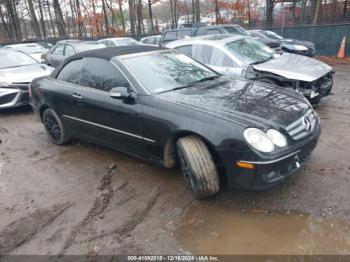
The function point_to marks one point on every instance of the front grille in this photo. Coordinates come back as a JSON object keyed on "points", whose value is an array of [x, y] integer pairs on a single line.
{"points": [[304, 126], [24, 98], [5, 99]]}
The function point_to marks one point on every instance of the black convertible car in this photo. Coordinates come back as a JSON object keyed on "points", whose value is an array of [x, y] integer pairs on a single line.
{"points": [[162, 106]]}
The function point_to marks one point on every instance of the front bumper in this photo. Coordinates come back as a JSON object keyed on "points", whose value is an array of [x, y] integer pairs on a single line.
{"points": [[321, 87], [14, 96], [267, 173]]}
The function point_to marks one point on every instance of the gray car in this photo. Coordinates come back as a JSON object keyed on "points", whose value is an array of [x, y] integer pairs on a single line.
{"points": [[66, 48], [17, 70], [245, 57]]}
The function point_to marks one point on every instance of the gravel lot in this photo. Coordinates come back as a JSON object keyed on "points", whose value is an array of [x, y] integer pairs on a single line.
{"points": [[85, 199]]}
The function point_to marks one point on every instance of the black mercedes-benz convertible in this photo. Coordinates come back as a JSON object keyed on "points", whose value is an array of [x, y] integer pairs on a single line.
{"points": [[167, 108]]}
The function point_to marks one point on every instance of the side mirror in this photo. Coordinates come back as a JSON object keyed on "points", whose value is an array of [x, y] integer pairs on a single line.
{"points": [[119, 92], [123, 93]]}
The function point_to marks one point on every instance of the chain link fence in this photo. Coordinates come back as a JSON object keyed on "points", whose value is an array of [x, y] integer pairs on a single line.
{"points": [[324, 22]]}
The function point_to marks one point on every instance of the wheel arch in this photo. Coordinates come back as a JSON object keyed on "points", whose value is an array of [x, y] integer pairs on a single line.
{"points": [[170, 157], [42, 110]]}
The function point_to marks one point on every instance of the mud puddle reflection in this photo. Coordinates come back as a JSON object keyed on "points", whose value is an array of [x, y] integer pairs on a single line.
{"points": [[217, 231]]}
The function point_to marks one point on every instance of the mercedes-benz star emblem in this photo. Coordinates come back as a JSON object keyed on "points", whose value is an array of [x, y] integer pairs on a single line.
{"points": [[307, 124]]}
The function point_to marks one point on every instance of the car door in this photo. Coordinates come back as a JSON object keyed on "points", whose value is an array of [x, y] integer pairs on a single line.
{"points": [[57, 55], [62, 97], [105, 119]]}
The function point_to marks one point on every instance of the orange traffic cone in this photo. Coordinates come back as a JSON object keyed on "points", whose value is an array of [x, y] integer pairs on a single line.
{"points": [[341, 52]]}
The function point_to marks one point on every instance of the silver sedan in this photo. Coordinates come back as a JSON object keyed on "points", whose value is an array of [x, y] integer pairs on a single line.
{"points": [[245, 57], [17, 70]]}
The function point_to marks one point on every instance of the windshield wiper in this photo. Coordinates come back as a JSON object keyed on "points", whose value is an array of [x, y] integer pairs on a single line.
{"points": [[261, 61], [203, 80], [191, 84], [173, 89]]}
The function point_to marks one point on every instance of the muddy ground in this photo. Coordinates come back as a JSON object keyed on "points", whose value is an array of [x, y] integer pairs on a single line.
{"points": [[85, 199]]}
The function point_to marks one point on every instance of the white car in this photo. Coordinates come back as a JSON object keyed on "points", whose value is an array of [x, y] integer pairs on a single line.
{"points": [[118, 41], [151, 40], [245, 57], [35, 50]]}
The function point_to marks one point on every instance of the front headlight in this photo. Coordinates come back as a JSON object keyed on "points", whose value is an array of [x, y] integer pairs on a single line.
{"points": [[259, 140], [300, 47], [277, 137]]}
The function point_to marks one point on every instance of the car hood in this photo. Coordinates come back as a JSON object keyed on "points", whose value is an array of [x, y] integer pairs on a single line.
{"points": [[241, 101], [24, 73], [37, 56], [268, 41], [295, 67], [298, 42]]}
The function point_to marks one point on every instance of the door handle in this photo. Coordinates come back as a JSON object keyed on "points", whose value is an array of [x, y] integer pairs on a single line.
{"points": [[75, 95]]}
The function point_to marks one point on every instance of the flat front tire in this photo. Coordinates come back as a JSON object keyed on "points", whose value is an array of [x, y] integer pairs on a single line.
{"points": [[198, 167], [54, 127]]}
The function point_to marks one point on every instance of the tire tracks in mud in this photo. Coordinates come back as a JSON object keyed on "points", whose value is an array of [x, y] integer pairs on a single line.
{"points": [[136, 218], [23, 229], [101, 204]]}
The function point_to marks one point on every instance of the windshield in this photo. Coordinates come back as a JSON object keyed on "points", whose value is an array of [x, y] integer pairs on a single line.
{"points": [[250, 51], [258, 34], [236, 30], [86, 47], [273, 35], [15, 59], [126, 42], [161, 72], [30, 48]]}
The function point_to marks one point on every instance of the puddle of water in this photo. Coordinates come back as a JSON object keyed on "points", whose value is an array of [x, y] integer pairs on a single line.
{"points": [[217, 231]]}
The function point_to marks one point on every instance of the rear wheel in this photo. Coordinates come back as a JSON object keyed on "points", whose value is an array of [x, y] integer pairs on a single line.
{"points": [[54, 127], [198, 167]]}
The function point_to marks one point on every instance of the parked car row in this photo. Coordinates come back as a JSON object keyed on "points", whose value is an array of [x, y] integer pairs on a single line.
{"points": [[269, 38], [226, 107]]}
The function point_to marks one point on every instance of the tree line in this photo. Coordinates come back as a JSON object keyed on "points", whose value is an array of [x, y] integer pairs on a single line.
{"points": [[22, 19]]}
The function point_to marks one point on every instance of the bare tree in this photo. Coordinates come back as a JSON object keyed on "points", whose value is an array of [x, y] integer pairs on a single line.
{"points": [[12, 18], [42, 19], [198, 10], [139, 17], [316, 12], [132, 16], [150, 15], [270, 4], [59, 18], [79, 18], [121, 13], [34, 19], [4, 23], [105, 16]]}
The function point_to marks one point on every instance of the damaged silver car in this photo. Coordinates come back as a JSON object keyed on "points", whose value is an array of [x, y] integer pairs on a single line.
{"points": [[245, 57]]}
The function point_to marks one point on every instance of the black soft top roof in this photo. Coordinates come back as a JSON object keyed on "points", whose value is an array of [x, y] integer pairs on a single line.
{"points": [[107, 54]]}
